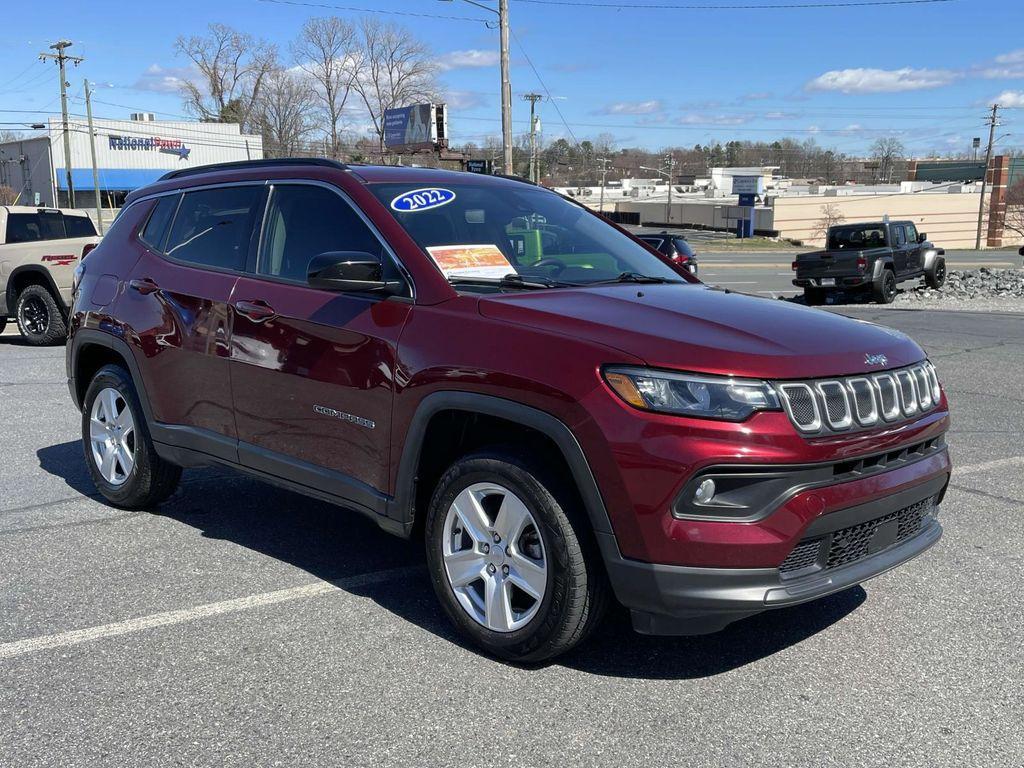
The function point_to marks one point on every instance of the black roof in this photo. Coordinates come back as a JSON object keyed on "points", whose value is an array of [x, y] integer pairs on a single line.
{"points": [[241, 165]]}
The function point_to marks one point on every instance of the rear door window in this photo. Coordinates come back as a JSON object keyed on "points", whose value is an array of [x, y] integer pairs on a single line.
{"points": [[79, 226], [33, 227], [212, 227]]}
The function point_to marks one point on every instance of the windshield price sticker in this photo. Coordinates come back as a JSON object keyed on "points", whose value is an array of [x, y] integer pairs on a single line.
{"points": [[422, 200], [482, 260]]}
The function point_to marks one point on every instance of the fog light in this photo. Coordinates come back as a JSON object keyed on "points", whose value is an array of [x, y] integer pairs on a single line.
{"points": [[705, 491]]}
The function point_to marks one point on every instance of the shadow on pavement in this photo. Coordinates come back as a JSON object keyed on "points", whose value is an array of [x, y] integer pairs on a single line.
{"points": [[332, 543]]}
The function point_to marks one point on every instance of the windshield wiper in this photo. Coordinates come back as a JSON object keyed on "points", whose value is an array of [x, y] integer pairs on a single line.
{"points": [[635, 277], [512, 280]]}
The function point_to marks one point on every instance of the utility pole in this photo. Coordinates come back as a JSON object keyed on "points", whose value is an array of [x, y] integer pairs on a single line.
{"points": [[506, 83], [506, 87], [62, 58], [604, 173], [993, 121], [533, 98], [92, 153], [671, 166]]}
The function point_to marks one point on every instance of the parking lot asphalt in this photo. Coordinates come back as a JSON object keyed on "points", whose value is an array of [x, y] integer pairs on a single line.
{"points": [[243, 625]]}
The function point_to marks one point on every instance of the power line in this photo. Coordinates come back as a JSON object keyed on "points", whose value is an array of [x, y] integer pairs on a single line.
{"points": [[330, 6], [545, 87], [748, 7]]}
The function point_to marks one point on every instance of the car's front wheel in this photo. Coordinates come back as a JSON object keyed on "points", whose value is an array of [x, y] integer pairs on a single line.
{"points": [[118, 449], [935, 276], [510, 560]]}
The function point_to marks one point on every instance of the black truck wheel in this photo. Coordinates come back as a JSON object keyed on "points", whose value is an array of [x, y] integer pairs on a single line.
{"points": [[39, 318], [884, 290], [935, 276], [815, 297]]}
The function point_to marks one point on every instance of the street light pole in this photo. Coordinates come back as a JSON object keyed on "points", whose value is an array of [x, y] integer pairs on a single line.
{"points": [[92, 154]]}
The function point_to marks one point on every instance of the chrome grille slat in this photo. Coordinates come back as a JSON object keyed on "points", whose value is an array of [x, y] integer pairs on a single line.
{"points": [[861, 401]]}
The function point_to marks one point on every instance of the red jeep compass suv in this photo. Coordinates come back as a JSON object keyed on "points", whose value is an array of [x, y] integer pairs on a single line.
{"points": [[561, 413]]}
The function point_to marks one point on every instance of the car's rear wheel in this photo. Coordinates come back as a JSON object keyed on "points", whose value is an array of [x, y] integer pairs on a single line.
{"points": [[884, 290], [814, 296], [118, 449], [935, 276], [510, 561], [3, 324], [39, 318]]}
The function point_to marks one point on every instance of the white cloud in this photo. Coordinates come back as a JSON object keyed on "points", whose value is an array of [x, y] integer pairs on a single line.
{"points": [[867, 80], [1009, 99], [1013, 57], [469, 59], [163, 79], [464, 99], [702, 119], [633, 108], [776, 115]]}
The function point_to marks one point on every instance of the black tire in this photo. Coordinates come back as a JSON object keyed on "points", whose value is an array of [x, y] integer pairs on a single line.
{"points": [[40, 319], [814, 297], [577, 593], [151, 480], [884, 291], [935, 276], [3, 324]]}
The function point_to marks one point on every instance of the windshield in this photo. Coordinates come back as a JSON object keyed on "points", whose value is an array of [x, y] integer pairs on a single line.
{"points": [[485, 232], [856, 237]]}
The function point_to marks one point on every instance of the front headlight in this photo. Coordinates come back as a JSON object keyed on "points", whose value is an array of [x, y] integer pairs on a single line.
{"points": [[684, 394]]}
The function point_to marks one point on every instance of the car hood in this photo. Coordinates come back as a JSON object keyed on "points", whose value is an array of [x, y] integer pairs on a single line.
{"points": [[695, 328]]}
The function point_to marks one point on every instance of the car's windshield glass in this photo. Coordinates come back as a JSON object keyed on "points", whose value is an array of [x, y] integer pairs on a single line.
{"points": [[858, 237], [486, 232]]}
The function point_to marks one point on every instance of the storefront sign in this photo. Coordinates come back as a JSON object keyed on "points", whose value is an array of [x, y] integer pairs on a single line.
{"points": [[167, 146]]}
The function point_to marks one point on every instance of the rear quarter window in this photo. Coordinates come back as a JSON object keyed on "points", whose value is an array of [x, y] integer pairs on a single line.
{"points": [[79, 226]]}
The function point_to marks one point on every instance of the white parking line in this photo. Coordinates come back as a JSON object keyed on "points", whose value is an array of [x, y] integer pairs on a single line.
{"points": [[985, 466], [169, 618]]}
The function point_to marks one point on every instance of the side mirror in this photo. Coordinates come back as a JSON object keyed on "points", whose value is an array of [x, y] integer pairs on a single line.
{"points": [[922, 236], [348, 271]]}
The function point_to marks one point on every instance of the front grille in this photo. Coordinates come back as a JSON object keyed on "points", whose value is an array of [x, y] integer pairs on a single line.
{"points": [[854, 543], [860, 402]]}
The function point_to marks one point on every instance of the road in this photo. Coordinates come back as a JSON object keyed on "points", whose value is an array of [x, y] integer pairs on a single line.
{"points": [[242, 625], [769, 273]]}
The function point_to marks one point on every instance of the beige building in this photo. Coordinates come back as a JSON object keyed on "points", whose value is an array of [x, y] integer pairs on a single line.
{"points": [[949, 219]]}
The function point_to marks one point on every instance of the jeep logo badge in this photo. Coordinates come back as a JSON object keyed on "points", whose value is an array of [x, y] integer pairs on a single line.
{"points": [[870, 359]]}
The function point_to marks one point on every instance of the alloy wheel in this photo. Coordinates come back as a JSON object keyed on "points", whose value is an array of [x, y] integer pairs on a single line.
{"points": [[34, 316], [112, 436], [494, 557]]}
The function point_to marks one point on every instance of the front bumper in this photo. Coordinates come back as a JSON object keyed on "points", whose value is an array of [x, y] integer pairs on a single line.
{"points": [[681, 600]]}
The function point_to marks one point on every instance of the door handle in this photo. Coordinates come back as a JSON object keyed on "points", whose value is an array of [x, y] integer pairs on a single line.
{"points": [[145, 286], [258, 311]]}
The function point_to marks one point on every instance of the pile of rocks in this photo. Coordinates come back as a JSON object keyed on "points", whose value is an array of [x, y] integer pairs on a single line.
{"points": [[984, 289]]}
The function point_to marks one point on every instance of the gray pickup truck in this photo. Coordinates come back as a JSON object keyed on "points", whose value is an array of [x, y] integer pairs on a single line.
{"points": [[874, 257]]}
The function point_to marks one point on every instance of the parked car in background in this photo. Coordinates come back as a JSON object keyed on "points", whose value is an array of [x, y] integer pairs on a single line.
{"points": [[873, 257], [674, 246], [562, 416], [39, 250]]}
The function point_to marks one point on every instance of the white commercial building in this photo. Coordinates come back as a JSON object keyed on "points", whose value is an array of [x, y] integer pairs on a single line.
{"points": [[129, 154]]}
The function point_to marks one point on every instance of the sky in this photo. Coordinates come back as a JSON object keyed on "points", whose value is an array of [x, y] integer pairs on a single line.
{"points": [[924, 72]]}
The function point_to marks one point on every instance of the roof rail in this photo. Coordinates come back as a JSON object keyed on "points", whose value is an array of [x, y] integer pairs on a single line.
{"points": [[241, 165]]}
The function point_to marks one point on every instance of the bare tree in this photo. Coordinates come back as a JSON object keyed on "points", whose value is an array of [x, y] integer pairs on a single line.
{"points": [[326, 51], [1013, 219], [232, 66], [831, 215], [283, 113], [7, 195], [886, 152], [7, 135], [395, 70]]}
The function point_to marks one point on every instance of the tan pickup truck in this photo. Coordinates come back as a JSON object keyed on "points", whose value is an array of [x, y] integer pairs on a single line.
{"points": [[39, 250]]}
